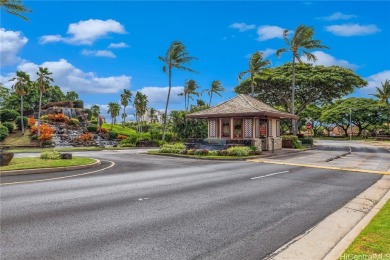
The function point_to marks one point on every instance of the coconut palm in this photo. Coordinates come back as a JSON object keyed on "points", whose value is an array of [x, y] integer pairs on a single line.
{"points": [[15, 7], [298, 45], [256, 66], [95, 111], [216, 87], [113, 110], [383, 94], [125, 99], [20, 87], [43, 82], [140, 105], [152, 114], [175, 57], [190, 88]]}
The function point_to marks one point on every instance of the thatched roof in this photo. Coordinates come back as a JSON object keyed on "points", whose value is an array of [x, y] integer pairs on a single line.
{"points": [[241, 105]]}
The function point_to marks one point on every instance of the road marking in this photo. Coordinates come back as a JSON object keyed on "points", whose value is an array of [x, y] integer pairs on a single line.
{"points": [[59, 178], [271, 174]]}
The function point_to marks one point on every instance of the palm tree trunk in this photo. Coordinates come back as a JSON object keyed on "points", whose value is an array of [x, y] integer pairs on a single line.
{"points": [[39, 114], [123, 118], [185, 101], [253, 86], [294, 122], [211, 96], [166, 105], [21, 114]]}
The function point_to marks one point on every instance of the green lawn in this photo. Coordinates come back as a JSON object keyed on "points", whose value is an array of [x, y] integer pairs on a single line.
{"points": [[374, 239], [18, 139], [119, 129], [35, 162]]}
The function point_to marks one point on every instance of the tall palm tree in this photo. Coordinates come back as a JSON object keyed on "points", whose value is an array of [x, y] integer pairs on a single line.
{"points": [[152, 115], [95, 110], [383, 94], [140, 105], [216, 87], [298, 45], [125, 99], [256, 66], [175, 57], [20, 87], [190, 88], [43, 82], [15, 7], [113, 110]]}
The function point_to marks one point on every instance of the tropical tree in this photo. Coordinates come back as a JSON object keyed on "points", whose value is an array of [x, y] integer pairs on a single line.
{"points": [[140, 105], [175, 57], [125, 99], [190, 89], [71, 96], [299, 44], [15, 7], [42, 82], [152, 114], [95, 111], [383, 94], [113, 110], [256, 66], [20, 87], [216, 88]]}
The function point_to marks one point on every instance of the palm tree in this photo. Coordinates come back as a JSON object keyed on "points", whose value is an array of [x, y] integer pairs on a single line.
{"points": [[216, 87], [383, 94], [15, 7], [152, 114], [125, 99], [190, 88], [298, 45], [71, 96], [256, 66], [95, 111], [20, 87], [113, 110], [43, 82], [175, 57], [140, 105]]}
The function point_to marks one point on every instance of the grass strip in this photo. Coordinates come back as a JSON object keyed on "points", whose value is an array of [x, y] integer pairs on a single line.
{"points": [[36, 162], [212, 157], [374, 240]]}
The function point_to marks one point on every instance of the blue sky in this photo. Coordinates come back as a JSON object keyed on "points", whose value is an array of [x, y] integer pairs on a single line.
{"points": [[98, 48]]}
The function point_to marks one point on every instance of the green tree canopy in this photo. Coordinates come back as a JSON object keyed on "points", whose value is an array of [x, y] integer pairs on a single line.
{"points": [[314, 85]]}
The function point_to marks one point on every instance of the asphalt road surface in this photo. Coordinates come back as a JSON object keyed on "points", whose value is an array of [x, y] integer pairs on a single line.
{"points": [[151, 207]]}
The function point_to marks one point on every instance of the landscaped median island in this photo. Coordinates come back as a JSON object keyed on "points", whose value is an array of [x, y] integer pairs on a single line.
{"points": [[234, 152], [47, 159], [374, 241]]}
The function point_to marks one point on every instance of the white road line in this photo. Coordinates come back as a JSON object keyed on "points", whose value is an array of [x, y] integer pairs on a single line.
{"points": [[271, 174], [59, 178]]}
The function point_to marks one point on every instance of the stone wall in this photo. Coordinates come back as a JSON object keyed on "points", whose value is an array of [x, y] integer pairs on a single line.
{"points": [[277, 144]]}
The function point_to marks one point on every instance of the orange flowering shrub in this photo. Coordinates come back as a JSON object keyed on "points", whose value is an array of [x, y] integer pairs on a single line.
{"points": [[58, 117], [31, 122], [122, 137], [46, 132], [86, 137], [102, 130]]}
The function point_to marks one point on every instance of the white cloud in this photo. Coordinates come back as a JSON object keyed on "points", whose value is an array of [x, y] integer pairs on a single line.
{"points": [[352, 29], [86, 32], [267, 32], [338, 16], [158, 95], [11, 42], [268, 52], [242, 27], [69, 78], [98, 53], [118, 45], [376, 80], [328, 60]]}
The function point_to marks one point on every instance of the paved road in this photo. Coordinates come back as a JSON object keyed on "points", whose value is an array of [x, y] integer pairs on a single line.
{"points": [[149, 207]]}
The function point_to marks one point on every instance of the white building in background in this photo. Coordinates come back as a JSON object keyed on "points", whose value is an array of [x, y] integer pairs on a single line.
{"points": [[157, 117]]}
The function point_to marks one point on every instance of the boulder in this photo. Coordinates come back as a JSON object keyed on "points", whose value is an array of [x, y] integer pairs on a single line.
{"points": [[66, 156], [5, 158]]}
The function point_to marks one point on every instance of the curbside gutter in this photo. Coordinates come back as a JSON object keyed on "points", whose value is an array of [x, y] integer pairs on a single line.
{"points": [[49, 170]]}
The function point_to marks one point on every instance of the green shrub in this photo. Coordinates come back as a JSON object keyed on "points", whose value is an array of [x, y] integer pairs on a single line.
{"points": [[191, 151], [18, 122], [3, 132], [308, 141], [7, 115], [172, 148], [222, 152], [92, 128], [50, 155], [74, 121], [126, 143], [34, 137], [290, 137], [78, 104], [238, 151], [45, 118], [95, 122], [184, 151], [201, 152], [112, 135], [10, 126], [47, 143], [213, 153]]}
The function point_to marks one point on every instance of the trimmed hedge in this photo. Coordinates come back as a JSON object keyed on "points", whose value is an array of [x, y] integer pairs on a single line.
{"points": [[10, 126], [3, 132], [8, 115], [18, 122]]}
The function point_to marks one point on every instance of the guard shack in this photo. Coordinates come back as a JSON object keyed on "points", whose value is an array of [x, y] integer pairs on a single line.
{"points": [[245, 118]]}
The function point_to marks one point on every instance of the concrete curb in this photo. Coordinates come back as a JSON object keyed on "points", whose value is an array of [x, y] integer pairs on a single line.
{"points": [[344, 243], [339, 156], [49, 170]]}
